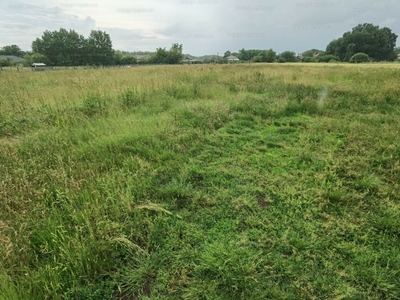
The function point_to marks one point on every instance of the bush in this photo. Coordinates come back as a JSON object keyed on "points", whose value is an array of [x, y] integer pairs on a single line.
{"points": [[308, 59], [289, 56], [6, 63], [328, 58], [359, 58], [281, 60]]}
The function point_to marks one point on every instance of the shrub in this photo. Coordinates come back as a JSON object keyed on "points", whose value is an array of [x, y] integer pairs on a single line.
{"points": [[308, 59], [359, 58], [6, 63], [281, 60], [328, 58], [289, 56], [93, 104]]}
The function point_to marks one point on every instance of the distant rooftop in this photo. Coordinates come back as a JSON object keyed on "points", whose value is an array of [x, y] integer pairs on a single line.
{"points": [[11, 57], [142, 57], [232, 57]]}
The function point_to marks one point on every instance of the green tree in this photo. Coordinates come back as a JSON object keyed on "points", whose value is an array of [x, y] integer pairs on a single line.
{"points": [[248, 55], [118, 55], [12, 50], [128, 60], [311, 52], [227, 53], [377, 43], [269, 56], [350, 51], [61, 47], [359, 58], [310, 59], [160, 57], [6, 63], [99, 48], [175, 54], [31, 58], [265, 56], [289, 56], [327, 58], [222, 60]]}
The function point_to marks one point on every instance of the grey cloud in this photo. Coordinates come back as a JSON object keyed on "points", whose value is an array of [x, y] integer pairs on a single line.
{"points": [[202, 26]]}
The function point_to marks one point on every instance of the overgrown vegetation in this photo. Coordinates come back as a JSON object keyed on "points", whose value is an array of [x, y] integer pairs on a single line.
{"points": [[201, 182]]}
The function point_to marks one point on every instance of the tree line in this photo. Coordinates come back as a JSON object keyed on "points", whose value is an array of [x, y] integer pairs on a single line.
{"points": [[68, 48], [365, 42]]}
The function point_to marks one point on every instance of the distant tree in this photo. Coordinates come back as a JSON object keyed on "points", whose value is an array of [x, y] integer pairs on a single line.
{"points": [[243, 55], [309, 59], [248, 55], [175, 55], [311, 52], [99, 48], [377, 43], [128, 60], [31, 58], [61, 47], [222, 60], [359, 58], [227, 53], [6, 63], [327, 58], [269, 56], [118, 55], [12, 50], [281, 60], [265, 56], [289, 56], [160, 57], [397, 50]]}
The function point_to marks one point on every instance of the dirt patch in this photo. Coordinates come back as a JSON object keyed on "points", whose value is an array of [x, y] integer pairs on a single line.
{"points": [[8, 141], [147, 288], [263, 202]]}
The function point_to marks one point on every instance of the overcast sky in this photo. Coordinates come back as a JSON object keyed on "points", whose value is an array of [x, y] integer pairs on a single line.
{"points": [[202, 26]]}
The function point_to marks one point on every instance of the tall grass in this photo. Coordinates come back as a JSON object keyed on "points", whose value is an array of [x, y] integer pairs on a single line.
{"points": [[201, 182]]}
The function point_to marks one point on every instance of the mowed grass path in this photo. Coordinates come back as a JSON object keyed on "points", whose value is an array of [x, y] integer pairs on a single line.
{"points": [[201, 182]]}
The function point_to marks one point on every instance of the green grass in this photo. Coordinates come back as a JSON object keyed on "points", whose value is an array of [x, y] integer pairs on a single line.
{"points": [[201, 182]]}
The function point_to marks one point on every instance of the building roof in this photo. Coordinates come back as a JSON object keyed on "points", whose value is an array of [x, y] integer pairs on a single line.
{"points": [[232, 57], [187, 58], [141, 57], [11, 57], [38, 65]]}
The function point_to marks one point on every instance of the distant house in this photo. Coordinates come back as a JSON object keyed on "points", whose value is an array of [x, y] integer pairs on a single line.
{"points": [[38, 65], [141, 57], [13, 58], [398, 56], [188, 60], [231, 58]]}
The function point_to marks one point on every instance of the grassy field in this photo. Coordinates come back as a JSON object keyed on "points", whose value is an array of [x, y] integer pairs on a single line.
{"points": [[201, 182]]}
